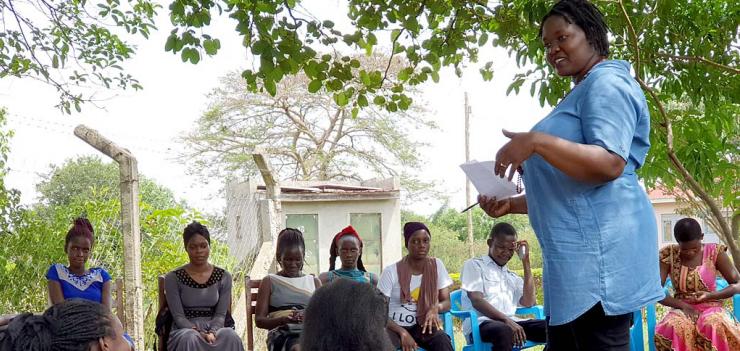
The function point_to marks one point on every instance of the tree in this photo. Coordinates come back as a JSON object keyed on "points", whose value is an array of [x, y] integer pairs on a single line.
{"points": [[9, 198], [87, 186], [89, 177], [683, 52], [307, 136], [72, 45]]}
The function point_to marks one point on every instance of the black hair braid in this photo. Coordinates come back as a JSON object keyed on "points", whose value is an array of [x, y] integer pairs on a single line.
{"points": [[69, 326], [333, 254], [586, 16]]}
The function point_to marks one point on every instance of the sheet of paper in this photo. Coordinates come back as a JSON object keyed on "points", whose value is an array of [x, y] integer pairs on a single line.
{"points": [[486, 182]]}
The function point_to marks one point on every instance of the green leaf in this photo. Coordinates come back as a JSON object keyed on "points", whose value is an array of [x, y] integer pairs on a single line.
{"points": [[362, 101], [314, 86], [270, 86], [211, 46], [483, 39], [379, 100], [341, 99], [55, 61]]}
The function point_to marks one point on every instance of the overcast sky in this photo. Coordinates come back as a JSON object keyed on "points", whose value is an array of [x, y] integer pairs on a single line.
{"points": [[147, 122]]}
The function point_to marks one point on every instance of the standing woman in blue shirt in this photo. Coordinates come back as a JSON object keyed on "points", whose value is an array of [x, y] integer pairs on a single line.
{"points": [[593, 219]]}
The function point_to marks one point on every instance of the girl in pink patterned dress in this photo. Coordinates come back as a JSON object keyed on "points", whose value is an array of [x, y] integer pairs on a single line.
{"points": [[697, 320]]}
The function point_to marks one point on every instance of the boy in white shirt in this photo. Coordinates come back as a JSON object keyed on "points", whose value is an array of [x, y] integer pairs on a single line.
{"points": [[495, 292]]}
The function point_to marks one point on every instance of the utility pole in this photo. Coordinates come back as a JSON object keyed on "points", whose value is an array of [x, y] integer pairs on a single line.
{"points": [[467, 182]]}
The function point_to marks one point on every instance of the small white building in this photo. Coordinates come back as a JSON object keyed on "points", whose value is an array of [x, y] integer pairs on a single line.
{"points": [[320, 210], [667, 213]]}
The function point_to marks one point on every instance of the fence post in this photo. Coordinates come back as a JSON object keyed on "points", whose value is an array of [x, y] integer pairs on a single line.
{"points": [[129, 178]]}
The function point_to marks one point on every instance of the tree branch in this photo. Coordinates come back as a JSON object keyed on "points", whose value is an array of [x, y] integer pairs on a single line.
{"points": [[667, 125], [703, 60], [633, 36]]}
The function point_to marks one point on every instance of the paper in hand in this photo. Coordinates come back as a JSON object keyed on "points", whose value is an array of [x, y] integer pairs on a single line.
{"points": [[488, 184]]}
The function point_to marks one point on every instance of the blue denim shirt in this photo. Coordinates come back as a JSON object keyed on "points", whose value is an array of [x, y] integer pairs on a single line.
{"points": [[599, 241]]}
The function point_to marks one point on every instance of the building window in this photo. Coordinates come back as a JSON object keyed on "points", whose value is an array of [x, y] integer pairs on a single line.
{"points": [[308, 224], [668, 221], [368, 225]]}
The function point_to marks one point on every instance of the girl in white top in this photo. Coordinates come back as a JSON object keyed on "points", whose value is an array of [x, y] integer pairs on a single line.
{"points": [[283, 297], [418, 288]]}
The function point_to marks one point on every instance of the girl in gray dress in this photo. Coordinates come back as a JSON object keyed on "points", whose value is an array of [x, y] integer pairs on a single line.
{"points": [[283, 297], [198, 295]]}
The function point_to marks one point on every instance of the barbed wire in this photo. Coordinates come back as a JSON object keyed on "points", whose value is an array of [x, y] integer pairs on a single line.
{"points": [[133, 143]]}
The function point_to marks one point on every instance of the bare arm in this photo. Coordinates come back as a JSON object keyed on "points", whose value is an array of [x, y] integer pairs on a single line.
{"points": [[55, 292], [444, 300], [528, 298], [106, 295], [324, 278], [583, 162], [263, 303], [316, 282], [728, 271]]}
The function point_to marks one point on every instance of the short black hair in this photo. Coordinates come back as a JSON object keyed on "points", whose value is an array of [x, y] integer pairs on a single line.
{"points": [[687, 229], [346, 316], [502, 229], [195, 228], [72, 325], [289, 238], [586, 16]]}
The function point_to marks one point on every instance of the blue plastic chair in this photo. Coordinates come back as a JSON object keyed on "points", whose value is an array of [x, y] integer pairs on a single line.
{"points": [[652, 315], [447, 321], [478, 344]]}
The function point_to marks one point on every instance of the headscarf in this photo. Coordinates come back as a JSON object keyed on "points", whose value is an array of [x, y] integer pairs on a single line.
{"points": [[349, 230], [428, 292], [410, 228]]}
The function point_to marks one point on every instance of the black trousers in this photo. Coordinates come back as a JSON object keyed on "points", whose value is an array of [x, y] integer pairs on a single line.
{"points": [[437, 341], [592, 331], [502, 338]]}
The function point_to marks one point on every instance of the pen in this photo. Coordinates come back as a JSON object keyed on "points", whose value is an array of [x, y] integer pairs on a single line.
{"points": [[469, 207]]}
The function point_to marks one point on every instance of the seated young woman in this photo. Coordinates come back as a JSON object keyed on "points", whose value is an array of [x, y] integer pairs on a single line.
{"points": [[283, 297], [347, 245], [697, 320], [198, 296], [346, 315], [418, 288], [71, 325], [76, 281]]}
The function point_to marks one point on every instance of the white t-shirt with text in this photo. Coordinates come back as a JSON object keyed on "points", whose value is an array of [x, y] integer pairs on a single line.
{"points": [[404, 314]]}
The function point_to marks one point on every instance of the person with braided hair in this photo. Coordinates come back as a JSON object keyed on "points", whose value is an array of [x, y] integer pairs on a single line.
{"points": [[76, 281], [347, 245], [593, 219], [71, 325], [282, 298]]}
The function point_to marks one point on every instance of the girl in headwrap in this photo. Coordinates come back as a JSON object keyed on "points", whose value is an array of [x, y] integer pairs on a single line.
{"points": [[347, 245], [418, 289]]}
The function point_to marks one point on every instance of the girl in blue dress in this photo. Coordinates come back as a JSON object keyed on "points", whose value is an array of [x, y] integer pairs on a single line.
{"points": [[76, 281]]}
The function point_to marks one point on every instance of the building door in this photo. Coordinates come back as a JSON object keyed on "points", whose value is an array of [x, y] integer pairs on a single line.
{"points": [[308, 224]]}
